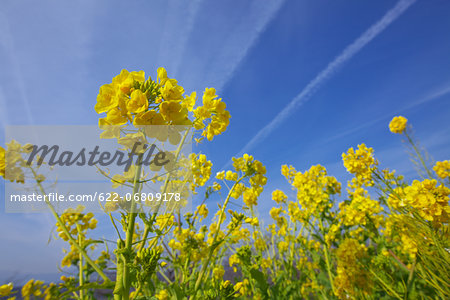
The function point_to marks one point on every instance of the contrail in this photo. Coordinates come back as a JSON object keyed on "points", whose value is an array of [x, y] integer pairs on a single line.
{"points": [[270, 10], [430, 97], [7, 43], [178, 27], [189, 26], [328, 72]]}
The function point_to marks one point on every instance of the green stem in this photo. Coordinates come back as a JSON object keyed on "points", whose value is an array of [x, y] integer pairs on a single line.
{"points": [[166, 183], [385, 284], [80, 275], [216, 234], [67, 233], [129, 235], [419, 155], [327, 259], [410, 278], [118, 288]]}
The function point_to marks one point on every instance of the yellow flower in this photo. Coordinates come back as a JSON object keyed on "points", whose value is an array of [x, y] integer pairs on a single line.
{"points": [[214, 110], [138, 102], [111, 206], [164, 221], [250, 197], [282, 246], [231, 176], [189, 101], [125, 80], [430, 200], [201, 170], [218, 272], [226, 284], [233, 260], [109, 131], [173, 112], [162, 76], [279, 196], [266, 263], [2, 162], [442, 169], [106, 99], [162, 295], [114, 117], [114, 98], [220, 175], [361, 163], [252, 221], [134, 141], [150, 117], [398, 124], [217, 186], [314, 188], [360, 210], [5, 290], [12, 161], [241, 288], [171, 91], [351, 276], [32, 288], [202, 211]]}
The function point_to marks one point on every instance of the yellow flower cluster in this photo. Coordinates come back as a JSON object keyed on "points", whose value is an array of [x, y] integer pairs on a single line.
{"points": [[426, 197], [351, 276], [131, 98], [162, 295], [397, 231], [189, 244], [311, 248], [12, 161], [279, 196], [242, 288], [314, 188], [442, 169], [255, 171], [213, 109], [32, 289], [76, 222], [164, 221], [5, 289], [361, 163], [398, 124], [360, 210], [2, 162], [202, 211], [201, 170], [277, 215]]}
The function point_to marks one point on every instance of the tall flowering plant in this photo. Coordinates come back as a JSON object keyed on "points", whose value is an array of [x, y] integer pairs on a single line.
{"points": [[380, 238]]}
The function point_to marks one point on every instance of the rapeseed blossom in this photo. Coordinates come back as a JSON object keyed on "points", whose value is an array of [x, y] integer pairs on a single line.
{"points": [[361, 248], [5, 289], [361, 163], [398, 124], [442, 169]]}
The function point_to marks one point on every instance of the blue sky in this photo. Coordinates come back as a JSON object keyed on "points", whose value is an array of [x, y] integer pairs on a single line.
{"points": [[260, 55]]}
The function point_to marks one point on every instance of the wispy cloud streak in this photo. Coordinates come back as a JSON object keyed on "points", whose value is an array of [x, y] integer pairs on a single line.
{"points": [[7, 42], [329, 71], [434, 95], [179, 24], [266, 12]]}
